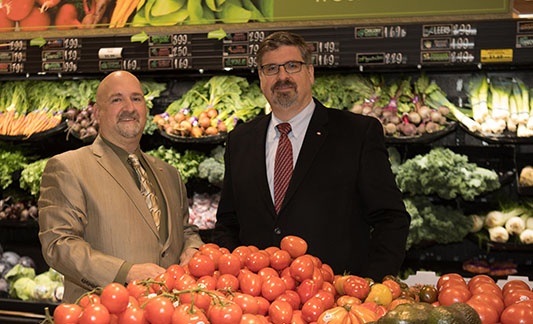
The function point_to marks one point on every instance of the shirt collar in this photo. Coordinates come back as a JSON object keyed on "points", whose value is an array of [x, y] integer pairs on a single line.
{"points": [[298, 123]]}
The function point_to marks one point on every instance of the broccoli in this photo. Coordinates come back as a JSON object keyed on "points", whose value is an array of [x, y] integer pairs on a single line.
{"points": [[212, 168]]}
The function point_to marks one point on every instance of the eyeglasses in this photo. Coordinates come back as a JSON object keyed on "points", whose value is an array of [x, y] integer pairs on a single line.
{"points": [[290, 67]]}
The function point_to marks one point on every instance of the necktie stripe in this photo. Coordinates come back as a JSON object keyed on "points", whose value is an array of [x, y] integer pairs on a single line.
{"points": [[146, 189], [283, 165]]}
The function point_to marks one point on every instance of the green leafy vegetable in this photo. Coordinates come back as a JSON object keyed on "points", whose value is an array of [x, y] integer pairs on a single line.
{"points": [[30, 176], [10, 161], [446, 174], [186, 162]]}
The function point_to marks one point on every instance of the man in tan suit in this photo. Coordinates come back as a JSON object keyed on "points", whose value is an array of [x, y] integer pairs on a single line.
{"points": [[95, 225]]}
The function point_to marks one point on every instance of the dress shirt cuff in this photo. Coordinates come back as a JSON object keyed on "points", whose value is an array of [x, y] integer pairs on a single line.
{"points": [[123, 272]]}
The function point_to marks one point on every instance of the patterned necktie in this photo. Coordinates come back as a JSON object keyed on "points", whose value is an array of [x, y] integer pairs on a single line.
{"points": [[146, 189], [282, 165]]}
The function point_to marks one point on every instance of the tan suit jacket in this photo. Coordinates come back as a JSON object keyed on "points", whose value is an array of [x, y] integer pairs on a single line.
{"points": [[93, 217]]}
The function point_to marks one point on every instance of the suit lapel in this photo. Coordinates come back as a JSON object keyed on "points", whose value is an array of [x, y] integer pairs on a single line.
{"points": [[109, 160]]}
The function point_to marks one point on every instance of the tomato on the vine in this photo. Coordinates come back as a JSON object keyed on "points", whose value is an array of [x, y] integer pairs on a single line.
{"points": [[67, 313], [187, 314], [175, 271], [137, 289], [89, 299], [115, 298], [226, 312], [163, 282], [159, 310], [132, 315], [94, 314]]}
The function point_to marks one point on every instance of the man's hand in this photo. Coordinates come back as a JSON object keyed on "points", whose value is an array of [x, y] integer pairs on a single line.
{"points": [[144, 271], [186, 256]]}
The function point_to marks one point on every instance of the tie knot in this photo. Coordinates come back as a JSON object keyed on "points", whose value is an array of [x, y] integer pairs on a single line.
{"points": [[284, 128], [133, 159]]}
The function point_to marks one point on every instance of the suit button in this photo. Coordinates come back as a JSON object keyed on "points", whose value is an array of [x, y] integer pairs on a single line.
{"points": [[163, 254], [277, 230]]}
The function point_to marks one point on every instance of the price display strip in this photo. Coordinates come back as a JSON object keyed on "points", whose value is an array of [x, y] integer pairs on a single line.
{"points": [[61, 55], [13, 57], [452, 43]]}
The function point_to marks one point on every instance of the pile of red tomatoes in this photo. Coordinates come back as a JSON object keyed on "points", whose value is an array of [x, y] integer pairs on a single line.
{"points": [[280, 285]]}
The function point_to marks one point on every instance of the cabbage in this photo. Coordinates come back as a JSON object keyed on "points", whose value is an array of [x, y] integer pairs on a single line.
{"points": [[19, 271], [23, 288]]}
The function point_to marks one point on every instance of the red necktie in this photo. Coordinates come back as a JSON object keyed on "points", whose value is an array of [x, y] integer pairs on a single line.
{"points": [[282, 165]]}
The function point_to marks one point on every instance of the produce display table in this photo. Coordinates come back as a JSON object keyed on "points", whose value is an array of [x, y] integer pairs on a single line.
{"points": [[18, 311]]}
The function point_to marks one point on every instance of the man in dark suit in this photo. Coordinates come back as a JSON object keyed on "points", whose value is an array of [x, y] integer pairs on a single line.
{"points": [[342, 197], [95, 225]]}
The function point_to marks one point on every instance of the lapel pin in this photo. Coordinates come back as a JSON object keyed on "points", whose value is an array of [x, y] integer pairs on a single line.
{"points": [[318, 133]]}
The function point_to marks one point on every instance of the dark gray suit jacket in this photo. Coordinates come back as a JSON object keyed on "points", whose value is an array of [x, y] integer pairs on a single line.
{"points": [[342, 198]]}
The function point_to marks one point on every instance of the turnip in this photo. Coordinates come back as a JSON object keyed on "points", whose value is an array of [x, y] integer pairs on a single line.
{"points": [[424, 112], [357, 108], [414, 117], [432, 127], [390, 129]]}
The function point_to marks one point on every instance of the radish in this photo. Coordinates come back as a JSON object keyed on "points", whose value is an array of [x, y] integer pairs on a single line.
{"points": [[47, 4], [36, 20], [67, 17], [17, 9], [6, 24]]}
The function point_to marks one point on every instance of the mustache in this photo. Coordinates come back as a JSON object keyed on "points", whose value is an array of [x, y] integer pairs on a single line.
{"points": [[283, 83], [128, 115]]}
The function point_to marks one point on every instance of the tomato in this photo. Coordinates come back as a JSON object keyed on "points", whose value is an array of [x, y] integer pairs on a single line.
{"points": [[208, 282], [327, 298], [230, 264], [312, 309], [89, 299], [356, 286], [450, 277], [159, 310], [201, 265], [428, 294], [200, 299], [212, 252], [517, 296], [454, 294], [262, 305], [302, 268], [247, 303], [289, 281], [271, 250], [272, 288], [257, 261], [250, 283], [292, 298], [515, 284], [346, 300], [280, 312], [67, 313], [187, 314], [297, 317], [327, 272], [94, 314], [136, 289], [336, 315], [379, 294], [186, 281], [132, 315], [518, 313], [115, 298], [363, 314], [394, 287], [175, 271], [296, 246], [242, 252], [280, 260], [250, 319], [494, 301], [338, 283], [307, 289], [486, 288], [487, 314], [480, 278], [227, 282], [163, 282], [226, 313], [267, 272]]}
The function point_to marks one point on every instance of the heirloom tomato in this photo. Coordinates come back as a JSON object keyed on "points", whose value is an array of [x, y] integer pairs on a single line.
{"points": [[356, 286]]}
